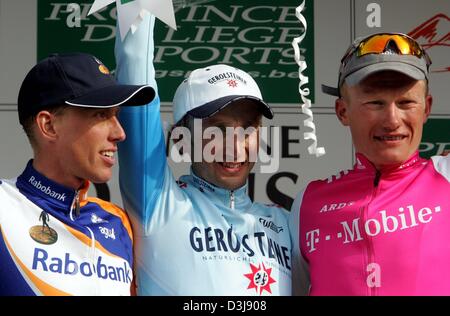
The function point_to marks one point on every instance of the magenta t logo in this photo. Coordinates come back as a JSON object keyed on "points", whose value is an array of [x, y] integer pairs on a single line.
{"points": [[312, 238]]}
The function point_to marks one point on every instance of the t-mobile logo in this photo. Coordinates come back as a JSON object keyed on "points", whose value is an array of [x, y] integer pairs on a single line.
{"points": [[312, 238]]}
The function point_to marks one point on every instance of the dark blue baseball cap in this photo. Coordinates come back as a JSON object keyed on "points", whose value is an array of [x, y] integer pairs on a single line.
{"points": [[76, 79]]}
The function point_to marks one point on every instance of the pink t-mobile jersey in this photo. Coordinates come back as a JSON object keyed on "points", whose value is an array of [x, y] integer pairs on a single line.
{"points": [[369, 232]]}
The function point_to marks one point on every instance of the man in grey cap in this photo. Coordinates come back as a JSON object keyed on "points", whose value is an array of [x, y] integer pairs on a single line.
{"points": [[377, 229]]}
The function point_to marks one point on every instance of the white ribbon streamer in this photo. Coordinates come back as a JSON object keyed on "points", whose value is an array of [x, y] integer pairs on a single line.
{"points": [[304, 92]]}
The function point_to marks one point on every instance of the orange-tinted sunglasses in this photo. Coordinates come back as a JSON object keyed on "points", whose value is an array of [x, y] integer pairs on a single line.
{"points": [[376, 44]]}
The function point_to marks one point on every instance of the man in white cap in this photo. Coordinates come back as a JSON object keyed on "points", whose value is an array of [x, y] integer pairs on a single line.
{"points": [[382, 227], [54, 239], [202, 235]]}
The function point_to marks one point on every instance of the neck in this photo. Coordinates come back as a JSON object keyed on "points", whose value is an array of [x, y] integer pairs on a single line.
{"points": [[53, 169], [412, 159]]}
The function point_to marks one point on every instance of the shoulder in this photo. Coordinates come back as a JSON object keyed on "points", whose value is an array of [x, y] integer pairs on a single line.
{"points": [[268, 212], [272, 216], [4, 182], [9, 195], [294, 215], [272, 207], [109, 207], [114, 210], [323, 188], [298, 200], [8, 184]]}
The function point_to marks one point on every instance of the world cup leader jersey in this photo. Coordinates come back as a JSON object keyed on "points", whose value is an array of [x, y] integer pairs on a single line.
{"points": [[192, 238]]}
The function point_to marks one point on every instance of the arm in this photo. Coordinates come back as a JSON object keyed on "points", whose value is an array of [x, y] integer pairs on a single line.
{"points": [[142, 157], [442, 165], [300, 268]]}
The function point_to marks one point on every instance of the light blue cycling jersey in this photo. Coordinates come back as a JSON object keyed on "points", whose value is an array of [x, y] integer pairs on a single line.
{"points": [[192, 238]]}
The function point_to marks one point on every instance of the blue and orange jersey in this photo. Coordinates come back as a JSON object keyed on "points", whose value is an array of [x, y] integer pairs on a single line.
{"points": [[57, 241]]}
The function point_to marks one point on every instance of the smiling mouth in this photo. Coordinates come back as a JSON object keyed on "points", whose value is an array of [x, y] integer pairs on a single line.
{"points": [[231, 166], [107, 153], [389, 138]]}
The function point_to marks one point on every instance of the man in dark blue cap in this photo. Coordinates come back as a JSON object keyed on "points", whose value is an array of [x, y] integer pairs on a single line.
{"points": [[68, 106]]}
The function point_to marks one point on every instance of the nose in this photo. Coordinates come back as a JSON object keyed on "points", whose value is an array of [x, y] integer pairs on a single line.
{"points": [[117, 133], [240, 149], [235, 145], [391, 117]]}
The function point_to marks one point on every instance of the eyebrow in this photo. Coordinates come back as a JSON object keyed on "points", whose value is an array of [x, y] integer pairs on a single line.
{"points": [[220, 123]]}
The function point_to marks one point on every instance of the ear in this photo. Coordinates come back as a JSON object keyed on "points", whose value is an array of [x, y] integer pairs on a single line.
{"points": [[341, 109], [428, 105], [45, 122]]}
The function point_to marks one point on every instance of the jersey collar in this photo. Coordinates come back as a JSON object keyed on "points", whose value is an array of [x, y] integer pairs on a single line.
{"points": [[36, 184], [364, 164], [220, 195]]}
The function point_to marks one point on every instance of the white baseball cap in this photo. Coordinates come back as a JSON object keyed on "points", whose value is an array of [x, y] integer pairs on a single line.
{"points": [[208, 90]]}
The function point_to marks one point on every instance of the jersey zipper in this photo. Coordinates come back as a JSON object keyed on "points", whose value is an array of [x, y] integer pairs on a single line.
{"points": [[74, 214], [232, 199], [370, 252]]}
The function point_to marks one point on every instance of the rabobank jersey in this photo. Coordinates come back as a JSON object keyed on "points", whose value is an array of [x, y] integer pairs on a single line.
{"points": [[56, 241], [192, 238]]}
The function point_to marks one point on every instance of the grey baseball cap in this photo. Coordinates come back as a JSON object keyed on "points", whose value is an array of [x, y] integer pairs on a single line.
{"points": [[354, 68]]}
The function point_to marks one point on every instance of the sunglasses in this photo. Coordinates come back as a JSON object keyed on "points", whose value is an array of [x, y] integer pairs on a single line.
{"points": [[377, 44]]}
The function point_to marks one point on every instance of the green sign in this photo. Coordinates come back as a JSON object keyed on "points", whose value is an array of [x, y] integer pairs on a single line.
{"points": [[254, 35], [95, 35], [436, 137]]}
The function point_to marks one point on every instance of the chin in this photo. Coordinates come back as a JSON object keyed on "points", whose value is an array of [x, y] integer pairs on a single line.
{"points": [[232, 183], [231, 187], [101, 178]]}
